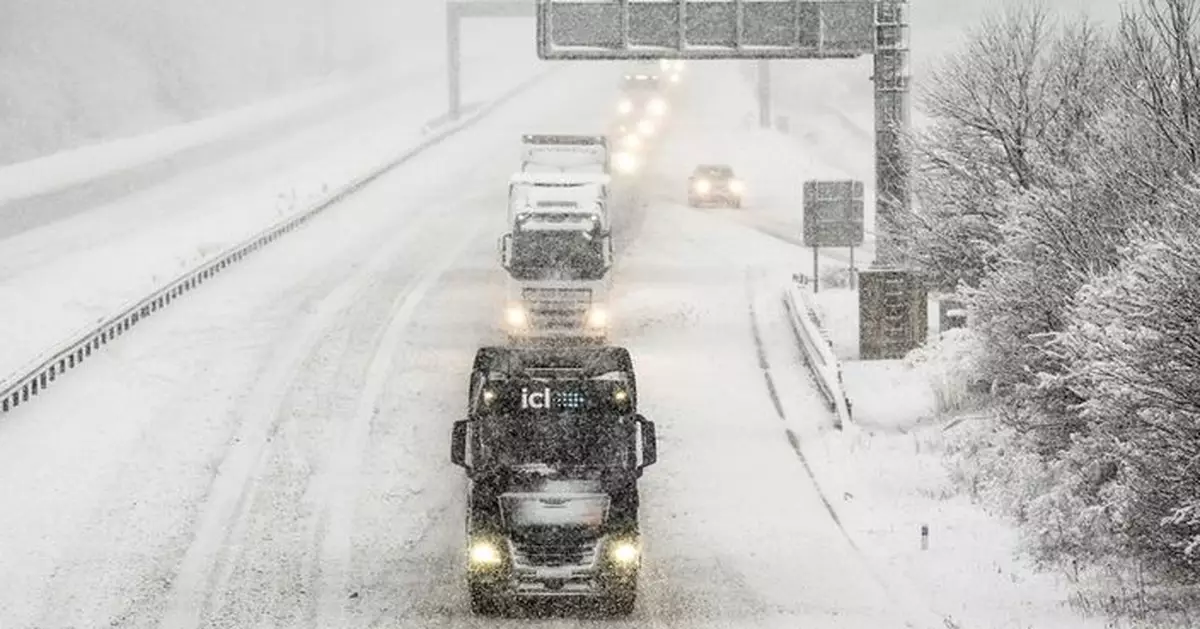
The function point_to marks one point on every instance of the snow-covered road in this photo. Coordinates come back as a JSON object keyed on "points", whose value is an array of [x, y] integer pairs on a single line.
{"points": [[273, 450]]}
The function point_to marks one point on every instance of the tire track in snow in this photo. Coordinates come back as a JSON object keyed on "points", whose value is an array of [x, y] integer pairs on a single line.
{"points": [[339, 484], [208, 562]]}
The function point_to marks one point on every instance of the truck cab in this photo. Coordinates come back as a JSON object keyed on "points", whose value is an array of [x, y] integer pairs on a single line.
{"points": [[553, 448], [557, 256]]}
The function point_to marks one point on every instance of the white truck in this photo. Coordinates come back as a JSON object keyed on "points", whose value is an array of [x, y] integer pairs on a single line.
{"points": [[558, 250]]}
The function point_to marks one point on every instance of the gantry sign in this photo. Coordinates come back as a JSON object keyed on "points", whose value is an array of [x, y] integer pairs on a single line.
{"points": [[757, 29]]}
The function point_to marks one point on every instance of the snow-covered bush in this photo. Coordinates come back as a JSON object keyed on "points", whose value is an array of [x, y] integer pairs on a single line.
{"points": [[951, 364], [1134, 349]]}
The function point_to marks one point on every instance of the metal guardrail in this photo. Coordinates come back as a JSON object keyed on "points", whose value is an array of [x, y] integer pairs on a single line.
{"points": [[31, 381], [818, 350]]}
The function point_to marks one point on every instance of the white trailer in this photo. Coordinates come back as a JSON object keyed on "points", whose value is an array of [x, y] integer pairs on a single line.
{"points": [[565, 153]]}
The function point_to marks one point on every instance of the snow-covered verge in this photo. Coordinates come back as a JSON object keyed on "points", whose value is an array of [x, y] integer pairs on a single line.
{"points": [[63, 278], [887, 477], [920, 458], [73, 73], [1079, 262]]}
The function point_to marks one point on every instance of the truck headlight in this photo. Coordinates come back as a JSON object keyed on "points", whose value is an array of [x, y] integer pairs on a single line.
{"points": [[597, 318], [646, 127], [632, 141], [625, 106], [702, 186], [484, 554], [658, 106], [737, 186], [625, 553], [516, 317]]}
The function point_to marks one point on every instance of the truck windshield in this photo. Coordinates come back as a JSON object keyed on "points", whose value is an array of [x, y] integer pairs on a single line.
{"points": [[557, 254], [529, 438]]}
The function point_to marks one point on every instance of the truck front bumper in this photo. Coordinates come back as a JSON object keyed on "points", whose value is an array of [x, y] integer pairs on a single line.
{"points": [[598, 575], [522, 323]]}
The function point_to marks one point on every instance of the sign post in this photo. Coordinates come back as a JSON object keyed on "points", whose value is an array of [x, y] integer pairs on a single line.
{"points": [[853, 269], [833, 217], [816, 271]]}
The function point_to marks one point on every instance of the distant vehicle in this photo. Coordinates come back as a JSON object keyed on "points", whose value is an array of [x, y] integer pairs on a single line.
{"points": [[642, 95], [551, 448], [712, 184]]}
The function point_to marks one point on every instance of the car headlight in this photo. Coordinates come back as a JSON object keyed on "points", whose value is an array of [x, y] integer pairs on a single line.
{"points": [[658, 107], [516, 317], [625, 552], [646, 127], [625, 106], [737, 187], [626, 162], [485, 554], [702, 186], [597, 318]]}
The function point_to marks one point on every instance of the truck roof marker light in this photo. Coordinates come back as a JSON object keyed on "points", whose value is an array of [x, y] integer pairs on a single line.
{"points": [[489, 396], [620, 396]]}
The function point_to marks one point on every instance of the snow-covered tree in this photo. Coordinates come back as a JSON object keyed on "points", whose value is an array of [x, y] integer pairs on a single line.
{"points": [[1022, 96]]}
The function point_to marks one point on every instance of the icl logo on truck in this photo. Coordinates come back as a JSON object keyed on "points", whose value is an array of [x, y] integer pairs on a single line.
{"points": [[550, 400]]}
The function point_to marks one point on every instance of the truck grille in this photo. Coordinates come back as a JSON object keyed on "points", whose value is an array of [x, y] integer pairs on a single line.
{"points": [[554, 554], [557, 307]]}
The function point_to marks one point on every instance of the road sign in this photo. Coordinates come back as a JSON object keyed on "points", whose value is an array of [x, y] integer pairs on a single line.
{"points": [[833, 213], [705, 29], [893, 313]]}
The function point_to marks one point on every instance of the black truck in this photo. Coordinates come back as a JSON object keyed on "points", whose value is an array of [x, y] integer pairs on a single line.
{"points": [[551, 448]]}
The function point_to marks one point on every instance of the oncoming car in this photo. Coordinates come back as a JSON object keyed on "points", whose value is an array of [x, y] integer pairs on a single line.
{"points": [[712, 184]]}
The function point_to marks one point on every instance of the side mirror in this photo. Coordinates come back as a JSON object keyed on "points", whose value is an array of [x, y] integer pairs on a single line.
{"points": [[505, 247], [649, 442], [608, 252], [458, 445]]}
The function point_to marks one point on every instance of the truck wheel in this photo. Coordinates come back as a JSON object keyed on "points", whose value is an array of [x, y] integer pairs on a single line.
{"points": [[484, 601]]}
